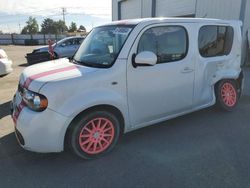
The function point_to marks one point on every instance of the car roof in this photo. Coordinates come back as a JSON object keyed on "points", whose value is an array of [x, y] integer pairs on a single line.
{"points": [[73, 37], [172, 20], [67, 38]]}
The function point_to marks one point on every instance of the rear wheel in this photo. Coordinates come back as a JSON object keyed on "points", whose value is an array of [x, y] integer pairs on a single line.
{"points": [[227, 95], [95, 134]]}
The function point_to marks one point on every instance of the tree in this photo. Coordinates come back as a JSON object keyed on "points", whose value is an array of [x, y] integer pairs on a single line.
{"points": [[60, 26], [53, 27], [48, 26], [72, 27], [82, 28], [31, 26], [24, 30]]}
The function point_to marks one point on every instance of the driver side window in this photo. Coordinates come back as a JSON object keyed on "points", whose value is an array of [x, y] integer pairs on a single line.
{"points": [[67, 42], [169, 43]]}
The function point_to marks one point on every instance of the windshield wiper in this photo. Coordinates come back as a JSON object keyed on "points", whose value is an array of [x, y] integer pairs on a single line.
{"points": [[88, 64], [73, 60], [91, 64]]}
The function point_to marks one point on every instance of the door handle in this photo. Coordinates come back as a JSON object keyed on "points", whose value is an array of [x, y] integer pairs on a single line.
{"points": [[187, 70]]}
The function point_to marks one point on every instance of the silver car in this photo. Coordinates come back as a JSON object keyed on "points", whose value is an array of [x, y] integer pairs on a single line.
{"points": [[63, 48]]}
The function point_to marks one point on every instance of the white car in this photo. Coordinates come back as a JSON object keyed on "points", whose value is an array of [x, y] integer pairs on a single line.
{"points": [[5, 63], [127, 75]]}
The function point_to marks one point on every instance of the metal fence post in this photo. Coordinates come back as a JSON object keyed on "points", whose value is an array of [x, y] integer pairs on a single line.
{"points": [[12, 39], [44, 39]]}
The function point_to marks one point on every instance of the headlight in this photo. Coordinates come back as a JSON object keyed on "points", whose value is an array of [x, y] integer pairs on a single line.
{"points": [[35, 101]]}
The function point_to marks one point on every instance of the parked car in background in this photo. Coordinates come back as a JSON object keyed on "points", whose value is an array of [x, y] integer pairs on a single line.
{"points": [[5, 63], [127, 75], [66, 47]]}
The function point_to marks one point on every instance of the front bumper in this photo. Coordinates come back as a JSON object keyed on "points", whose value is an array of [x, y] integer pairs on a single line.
{"points": [[39, 131]]}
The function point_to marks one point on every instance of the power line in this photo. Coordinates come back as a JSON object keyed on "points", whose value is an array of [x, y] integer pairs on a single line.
{"points": [[28, 13]]}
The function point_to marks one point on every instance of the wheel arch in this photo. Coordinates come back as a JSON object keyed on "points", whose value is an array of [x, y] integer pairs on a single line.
{"points": [[110, 108], [238, 80]]}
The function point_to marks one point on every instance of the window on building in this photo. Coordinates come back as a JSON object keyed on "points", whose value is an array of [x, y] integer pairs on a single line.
{"points": [[215, 40], [169, 43]]}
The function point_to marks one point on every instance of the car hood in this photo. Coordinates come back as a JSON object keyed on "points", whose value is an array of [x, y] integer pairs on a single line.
{"points": [[43, 48], [35, 76]]}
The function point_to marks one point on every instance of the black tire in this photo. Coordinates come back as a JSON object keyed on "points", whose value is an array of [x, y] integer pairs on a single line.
{"points": [[227, 95], [85, 123], [55, 56]]}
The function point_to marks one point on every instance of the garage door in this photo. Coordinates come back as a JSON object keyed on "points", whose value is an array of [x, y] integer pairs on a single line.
{"points": [[130, 9], [175, 8]]}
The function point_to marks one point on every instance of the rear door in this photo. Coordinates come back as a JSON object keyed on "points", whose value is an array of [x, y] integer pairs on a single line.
{"points": [[213, 55]]}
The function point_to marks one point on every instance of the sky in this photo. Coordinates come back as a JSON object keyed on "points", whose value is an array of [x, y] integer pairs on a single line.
{"points": [[89, 13]]}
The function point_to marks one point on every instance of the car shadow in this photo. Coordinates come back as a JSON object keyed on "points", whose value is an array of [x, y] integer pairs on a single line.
{"points": [[24, 65], [5, 109], [1, 76]]}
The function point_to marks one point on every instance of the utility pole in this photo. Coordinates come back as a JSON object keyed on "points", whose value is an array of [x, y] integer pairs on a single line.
{"points": [[63, 14], [19, 28]]}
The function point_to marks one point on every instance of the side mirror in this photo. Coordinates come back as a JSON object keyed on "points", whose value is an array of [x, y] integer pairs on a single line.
{"points": [[145, 58]]}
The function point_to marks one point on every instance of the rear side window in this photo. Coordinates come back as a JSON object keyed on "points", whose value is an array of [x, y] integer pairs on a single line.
{"points": [[215, 40], [169, 43]]}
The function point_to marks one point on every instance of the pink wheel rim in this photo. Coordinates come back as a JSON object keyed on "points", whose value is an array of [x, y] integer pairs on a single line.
{"points": [[97, 135], [228, 94]]}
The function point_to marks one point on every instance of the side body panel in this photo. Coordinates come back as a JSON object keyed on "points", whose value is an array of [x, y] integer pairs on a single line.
{"points": [[208, 71], [101, 87]]}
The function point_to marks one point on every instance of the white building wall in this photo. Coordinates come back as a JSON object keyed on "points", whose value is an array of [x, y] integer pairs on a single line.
{"points": [[246, 30], [143, 8], [247, 17], [175, 7], [221, 9], [114, 10], [146, 8], [131, 9]]}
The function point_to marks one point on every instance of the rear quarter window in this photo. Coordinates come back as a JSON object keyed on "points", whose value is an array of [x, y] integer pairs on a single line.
{"points": [[215, 40]]}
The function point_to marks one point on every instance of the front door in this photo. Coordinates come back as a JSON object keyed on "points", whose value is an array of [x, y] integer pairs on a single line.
{"points": [[155, 92]]}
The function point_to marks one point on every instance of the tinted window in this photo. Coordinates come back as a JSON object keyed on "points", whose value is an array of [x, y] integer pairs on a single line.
{"points": [[169, 43], [215, 40], [68, 42], [78, 41]]}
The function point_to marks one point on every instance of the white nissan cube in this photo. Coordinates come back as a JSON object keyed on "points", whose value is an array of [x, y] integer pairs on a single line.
{"points": [[127, 75]]}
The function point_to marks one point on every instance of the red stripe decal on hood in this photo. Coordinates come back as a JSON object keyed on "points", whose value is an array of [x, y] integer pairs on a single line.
{"points": [[46, 73]]}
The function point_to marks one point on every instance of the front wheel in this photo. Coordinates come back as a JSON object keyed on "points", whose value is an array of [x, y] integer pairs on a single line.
{"points": [[95, 134], [227, 95]]}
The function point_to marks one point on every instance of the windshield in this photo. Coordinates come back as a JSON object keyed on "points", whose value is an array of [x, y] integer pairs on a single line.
{"points": [[102, 46]]}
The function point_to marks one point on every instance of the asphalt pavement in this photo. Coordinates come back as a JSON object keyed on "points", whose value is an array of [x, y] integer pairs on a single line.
{"points": [[204, 149]]}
